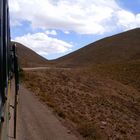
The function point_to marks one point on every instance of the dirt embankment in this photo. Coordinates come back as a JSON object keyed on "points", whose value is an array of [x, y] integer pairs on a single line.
{"points": [[97, 107]]}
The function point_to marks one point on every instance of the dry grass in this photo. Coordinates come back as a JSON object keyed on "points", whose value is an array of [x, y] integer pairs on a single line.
{"points": [[28, 58], [102, 102], [98, 108], [127, 73], [117, 48]]}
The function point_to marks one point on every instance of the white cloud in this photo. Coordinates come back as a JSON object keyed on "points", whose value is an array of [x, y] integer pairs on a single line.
{"points": [[51, 32], [128, 20], [81, 16], [138, 20], [66, 32], [44, 45]]}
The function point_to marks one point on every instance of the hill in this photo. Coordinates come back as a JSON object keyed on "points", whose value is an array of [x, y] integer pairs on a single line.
{"points": [[98, 108], [102, 100], [28, 58], [121, 47]]}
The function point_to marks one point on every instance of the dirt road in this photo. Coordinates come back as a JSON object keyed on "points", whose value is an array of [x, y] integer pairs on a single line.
{"points": [[44, 68], [36, 121]]}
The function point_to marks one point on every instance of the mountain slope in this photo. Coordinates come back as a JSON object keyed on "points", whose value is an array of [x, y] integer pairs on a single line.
{"points": [[102, 101], [121, 47], [28, 58]]}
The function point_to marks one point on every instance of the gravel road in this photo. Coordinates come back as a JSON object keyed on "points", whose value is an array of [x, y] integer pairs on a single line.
{"points": [[37, 122], [45, 68]]}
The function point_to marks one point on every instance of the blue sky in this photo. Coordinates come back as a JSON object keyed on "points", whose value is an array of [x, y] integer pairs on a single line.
{"points": [[54, 28], [133, 6]]}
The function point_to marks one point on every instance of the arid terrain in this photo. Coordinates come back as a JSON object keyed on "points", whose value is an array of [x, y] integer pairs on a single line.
{"points": [[95, 90], [28, 58], [98, 108], [122, 47]]}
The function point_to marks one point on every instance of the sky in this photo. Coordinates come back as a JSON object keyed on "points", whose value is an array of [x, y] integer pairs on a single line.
{"points": [[54, 28]]}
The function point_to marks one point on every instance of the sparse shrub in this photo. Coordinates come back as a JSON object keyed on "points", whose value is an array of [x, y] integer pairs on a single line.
{"points": [[50, 104], [21, 75], [88, 131], [61, 114], [90, 99]]}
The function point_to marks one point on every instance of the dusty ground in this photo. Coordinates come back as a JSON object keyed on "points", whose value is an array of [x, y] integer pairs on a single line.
{"points": [[36, 121], [97, 107]]}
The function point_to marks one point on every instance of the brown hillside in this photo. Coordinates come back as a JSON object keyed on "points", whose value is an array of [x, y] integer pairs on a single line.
{"points": [[101, 101], [121, 47], [98, 108], [28, 58]]}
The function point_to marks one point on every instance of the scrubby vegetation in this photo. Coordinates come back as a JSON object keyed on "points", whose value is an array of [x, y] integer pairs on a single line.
{"points": [[99, 93], [127, 73], [97, 107]]}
